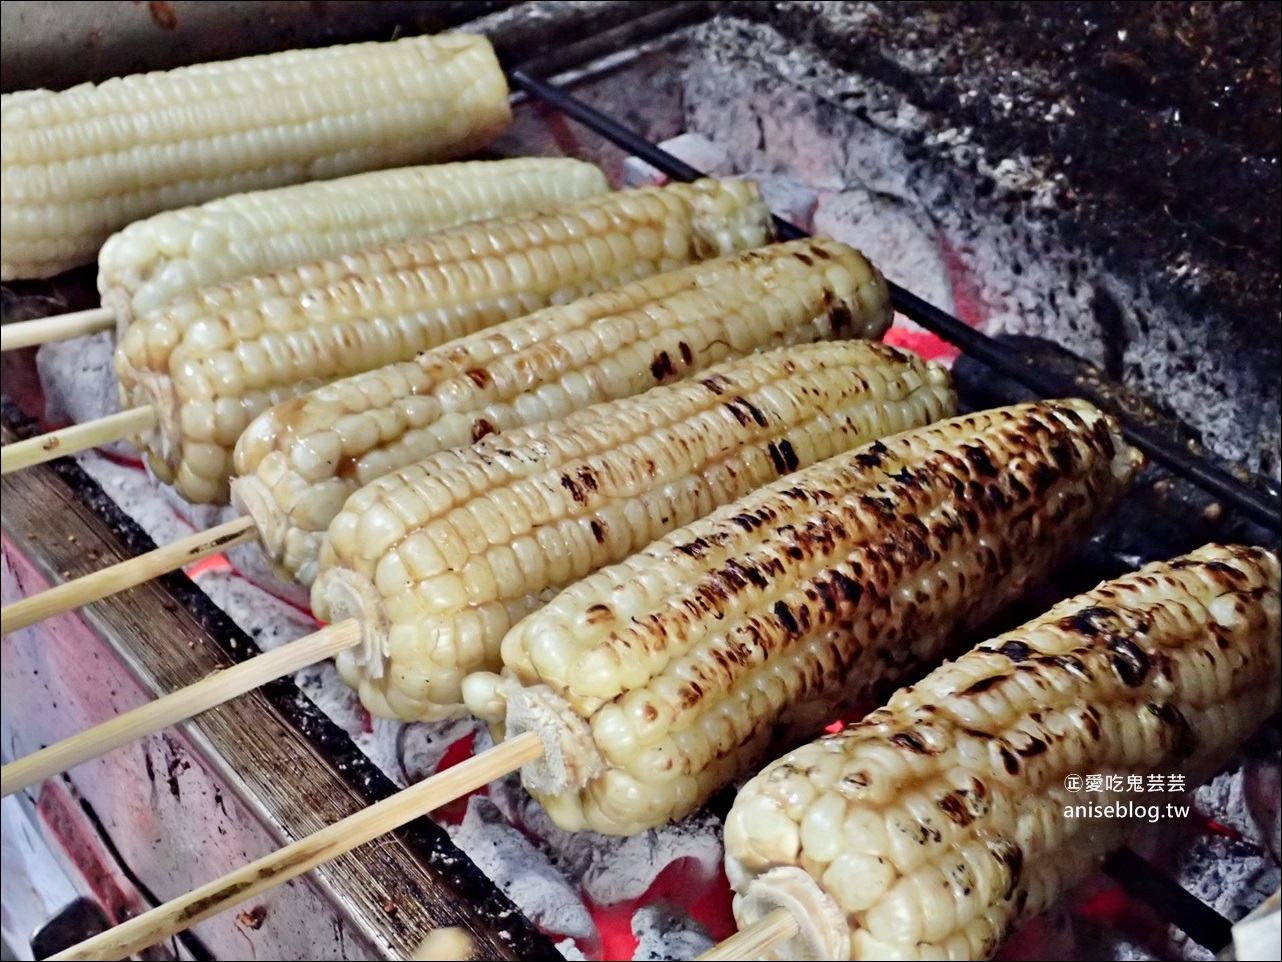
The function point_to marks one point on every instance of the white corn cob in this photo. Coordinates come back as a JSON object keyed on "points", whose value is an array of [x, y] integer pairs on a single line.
{"points": [[79, 164], [937, 825], [656, 682], [155, 260], [299, 462], [438, 560], [211, 361]]}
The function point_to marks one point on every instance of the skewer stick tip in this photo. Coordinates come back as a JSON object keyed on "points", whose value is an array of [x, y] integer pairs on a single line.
{"points": [[60, 327], [127, 574], [756, 940], [77, 437]]}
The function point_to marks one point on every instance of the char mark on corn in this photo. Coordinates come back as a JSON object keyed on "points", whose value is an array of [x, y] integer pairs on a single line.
{"points": [[671, 672], [439, 559], [300, 461], [211, 361], [942, 821]]}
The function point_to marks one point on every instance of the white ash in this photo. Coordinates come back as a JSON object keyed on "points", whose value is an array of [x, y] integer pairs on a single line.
{"points": [[693, 149], [1246, 799], [80, 382], [261, 616], [199, 516], [570, 950], [522, 872], [136, 494], [1231, 875], [665, 931], [776, 107], [612, 868], [788, 197], [249, 561], [420, 747], [894, 234]]}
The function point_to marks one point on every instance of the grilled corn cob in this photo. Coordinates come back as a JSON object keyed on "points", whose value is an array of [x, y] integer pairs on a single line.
{"points": [[153, 261], [78, 164], [300, 461], [211, 361], [939, 823], [438, 560], [655, 682]]}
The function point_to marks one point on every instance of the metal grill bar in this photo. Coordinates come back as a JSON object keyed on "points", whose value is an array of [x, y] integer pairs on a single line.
{"points": [[1140, 880], [1259, 507]]}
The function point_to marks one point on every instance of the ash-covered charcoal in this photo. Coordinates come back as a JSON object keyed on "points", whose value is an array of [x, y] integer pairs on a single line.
{"points": [[420, 746], [664, 931], [266, 619], [895, 234], [135, 492], [249, 561], [626, 869], [1009, 218], [523, 873], [80, 382], [1232, 865], [791, 199], [199, 516], [613, 868]]}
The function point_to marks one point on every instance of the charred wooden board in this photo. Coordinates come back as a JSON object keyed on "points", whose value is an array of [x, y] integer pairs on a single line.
{"points": [[169, 634]]}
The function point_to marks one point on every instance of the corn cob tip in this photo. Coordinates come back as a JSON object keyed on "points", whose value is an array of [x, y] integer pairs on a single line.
{"points": [[253, 499], [348, 594], [570, 755], [485, 697], [728, 216], [822, 929]]}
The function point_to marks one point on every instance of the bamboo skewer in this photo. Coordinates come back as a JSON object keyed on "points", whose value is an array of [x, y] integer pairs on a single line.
{"points": [[60, 327], [77, 437], [756, 940], [185, 703], [126, 574], [295, 859]]}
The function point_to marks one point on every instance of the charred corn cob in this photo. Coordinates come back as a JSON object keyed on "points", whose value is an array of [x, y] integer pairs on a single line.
{"points": [[934, 827], [655, 682], [78, 164], [300, 461], [211, 361], [153, 261], [438, 560]]}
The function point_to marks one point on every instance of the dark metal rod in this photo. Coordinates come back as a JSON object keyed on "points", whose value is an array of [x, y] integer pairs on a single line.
{"points": [[1260, 507], [1141, 881]]}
